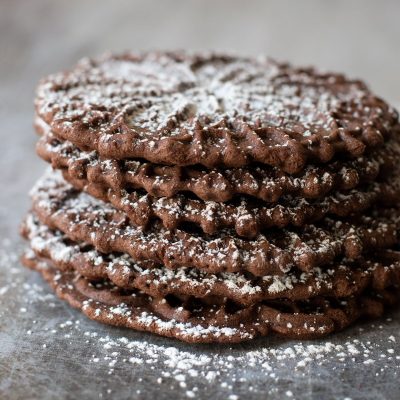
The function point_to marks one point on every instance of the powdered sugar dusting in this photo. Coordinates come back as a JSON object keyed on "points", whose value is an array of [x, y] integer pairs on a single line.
{"points": [[212, 110], [312, 246], [267, 367], [160, 91]]}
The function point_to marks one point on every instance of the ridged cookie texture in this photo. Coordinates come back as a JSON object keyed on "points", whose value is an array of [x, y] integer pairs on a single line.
{"points": [[214, 110], [194, 321], [84, 218], [268, 184], [215, 198], [340, 279]]}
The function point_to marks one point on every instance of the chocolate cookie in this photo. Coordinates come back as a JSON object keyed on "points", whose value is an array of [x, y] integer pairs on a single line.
{"points": [[214, 198], [339, 280], [263, 182], [192, 320], [248, 218], [86, 219], [214, 110]]}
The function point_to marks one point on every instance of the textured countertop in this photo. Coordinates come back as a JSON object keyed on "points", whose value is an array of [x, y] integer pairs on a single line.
{"points": [[50, 351]]}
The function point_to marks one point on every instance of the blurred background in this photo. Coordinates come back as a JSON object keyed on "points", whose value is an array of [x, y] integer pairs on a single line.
{"points": [[358, 37]]}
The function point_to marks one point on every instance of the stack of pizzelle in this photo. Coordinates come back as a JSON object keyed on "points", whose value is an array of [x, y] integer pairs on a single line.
{"points": [[214, 198]]}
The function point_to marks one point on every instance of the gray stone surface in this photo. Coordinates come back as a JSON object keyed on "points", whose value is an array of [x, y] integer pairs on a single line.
{"points": [[49, 351]]}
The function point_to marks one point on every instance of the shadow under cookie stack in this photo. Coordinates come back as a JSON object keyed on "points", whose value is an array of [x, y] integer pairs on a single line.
{"points": [[213, 198]]}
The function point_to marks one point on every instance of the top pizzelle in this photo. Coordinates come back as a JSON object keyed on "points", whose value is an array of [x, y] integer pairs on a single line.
{"points": [[215, 110]]}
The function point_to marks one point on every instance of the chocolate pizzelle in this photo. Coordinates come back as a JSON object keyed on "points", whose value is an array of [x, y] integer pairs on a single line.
{"points": [[264, 183], [214, 198], [246, 217], [84, 218], [339, 280], [197, 322], [213, 110]]}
